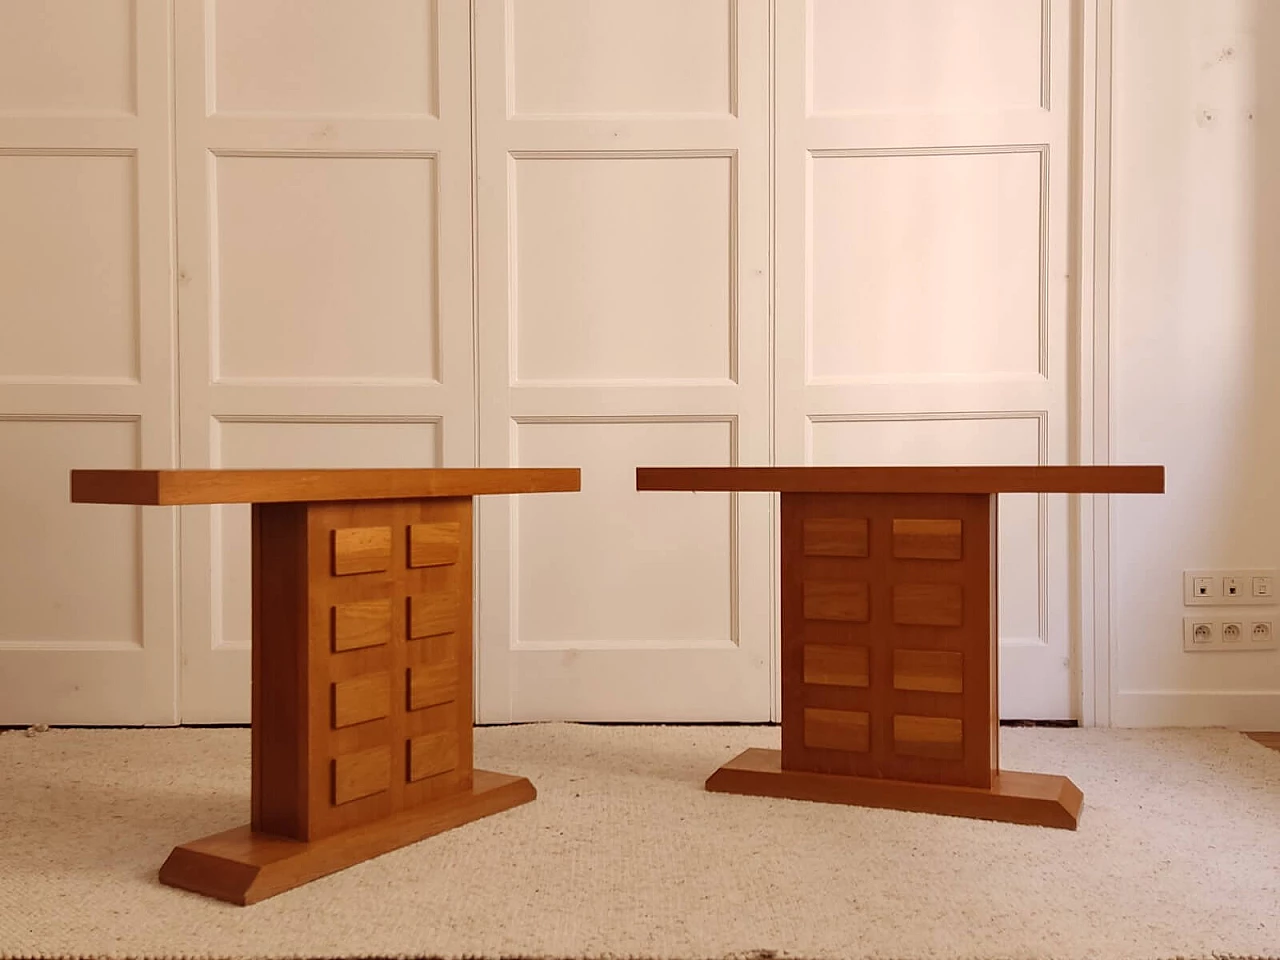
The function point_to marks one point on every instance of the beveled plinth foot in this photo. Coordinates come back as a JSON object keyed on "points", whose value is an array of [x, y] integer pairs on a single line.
{"points": [[243, 867], [1035, 799]]}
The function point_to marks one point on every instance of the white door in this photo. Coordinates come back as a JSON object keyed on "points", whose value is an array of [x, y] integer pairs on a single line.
{"points": [[87, 592], [923, 158], [324, 241], [623, 291]]}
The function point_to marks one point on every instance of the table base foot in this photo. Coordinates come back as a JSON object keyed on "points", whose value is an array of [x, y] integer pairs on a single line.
{"points": [[1034, 799], [243, 867]]}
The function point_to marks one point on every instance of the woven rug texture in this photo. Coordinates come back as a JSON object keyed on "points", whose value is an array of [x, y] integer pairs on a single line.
{"points": [[625, 855]]}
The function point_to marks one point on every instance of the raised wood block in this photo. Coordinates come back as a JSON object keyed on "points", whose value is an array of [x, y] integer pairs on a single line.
{"points": [[242, 866], [835, 537], [431, 684], [1034, 799], [938, 738], [928, 539], [433, 754], [362, 774], [928, 604], [361, 699], [846, 600], [361, 550], [432, 614], [929, 671], [847, 730], [837, 666], [362, 623], [433, 544]]}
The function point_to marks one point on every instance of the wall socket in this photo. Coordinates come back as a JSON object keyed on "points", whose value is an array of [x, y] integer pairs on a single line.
{"points": [[1230, 632], [1213, 588]]}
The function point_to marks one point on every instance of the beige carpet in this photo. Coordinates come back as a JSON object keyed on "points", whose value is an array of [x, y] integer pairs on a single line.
{"points": [[624, 855]]}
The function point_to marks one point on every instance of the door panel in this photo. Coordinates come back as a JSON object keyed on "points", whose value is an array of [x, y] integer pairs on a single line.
{"points": [[923, 268], [87, 633], [324, 174], [622, 160]]}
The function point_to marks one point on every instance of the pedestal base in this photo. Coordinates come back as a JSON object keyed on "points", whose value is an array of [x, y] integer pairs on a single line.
{"points": [[243, 867], [1034, 799]]}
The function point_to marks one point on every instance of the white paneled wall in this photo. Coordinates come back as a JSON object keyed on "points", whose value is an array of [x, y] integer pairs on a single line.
{"points": [[595, 233]]}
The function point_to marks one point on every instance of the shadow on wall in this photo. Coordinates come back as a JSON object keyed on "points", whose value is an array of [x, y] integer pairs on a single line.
{"points": [[1230, 253], [1263, 120]]}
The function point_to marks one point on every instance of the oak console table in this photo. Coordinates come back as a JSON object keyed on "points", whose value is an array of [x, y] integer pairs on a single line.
{"points": [[362, 663], [889, 638]]}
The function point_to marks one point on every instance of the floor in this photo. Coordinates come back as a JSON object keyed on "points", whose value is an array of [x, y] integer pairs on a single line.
{"points": [[625, 853], [1271, 740]]}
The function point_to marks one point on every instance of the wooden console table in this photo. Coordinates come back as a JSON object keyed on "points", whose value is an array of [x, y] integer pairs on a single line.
{"points": [[362, 663], [889, 639]]}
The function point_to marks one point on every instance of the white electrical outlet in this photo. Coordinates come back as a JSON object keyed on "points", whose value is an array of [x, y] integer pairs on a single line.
{"points": [[1262, 635], [1199, 633], [1228, 588], [1230, 632]]}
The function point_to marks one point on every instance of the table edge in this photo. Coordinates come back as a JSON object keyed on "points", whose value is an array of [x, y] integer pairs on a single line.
{"points": [[196, 487], [1138, 478]]}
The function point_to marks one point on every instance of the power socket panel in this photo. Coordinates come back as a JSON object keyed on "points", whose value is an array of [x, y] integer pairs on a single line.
{"points": [[1229, 588], [1231, 632]]}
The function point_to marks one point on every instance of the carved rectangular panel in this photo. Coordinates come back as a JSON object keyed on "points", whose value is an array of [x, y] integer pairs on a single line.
{"points": [[318, 59], [605, 58], [585, 567], [933, 671], [68, 59], [847, 730], [368, 226], [960, 297], [928, 539], [67, 575], [937, 738], [362, 623], [433, 544], [836, 600], [835, 537], [432, 614], [928, 604], [361, 699], [432, 754], [69, 278], [638, 251], [431, 684], [361, 550], [840, 666], [361, 774], [943, 56]]}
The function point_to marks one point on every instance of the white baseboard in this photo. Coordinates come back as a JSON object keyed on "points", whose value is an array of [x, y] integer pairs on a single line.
{"points": [[1248, 710]]}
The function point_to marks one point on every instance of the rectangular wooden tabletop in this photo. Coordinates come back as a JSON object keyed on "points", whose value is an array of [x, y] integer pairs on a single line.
{"points": [[1045, 479], [177, 487]]}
